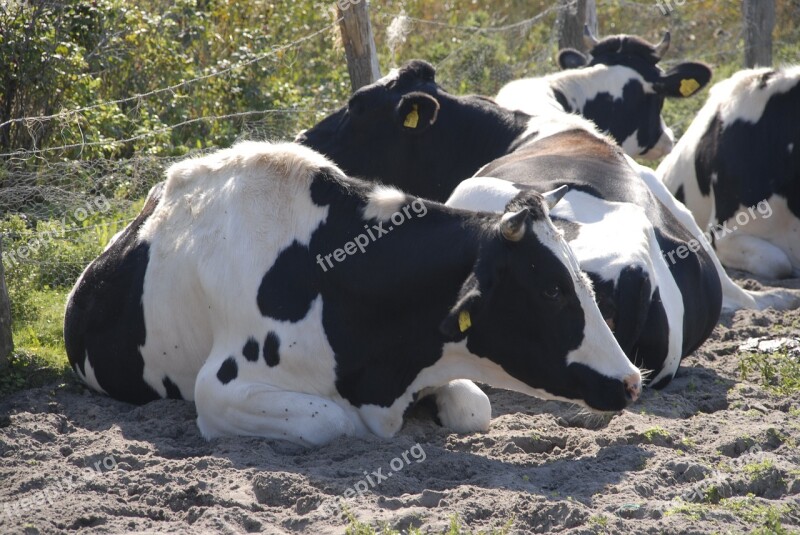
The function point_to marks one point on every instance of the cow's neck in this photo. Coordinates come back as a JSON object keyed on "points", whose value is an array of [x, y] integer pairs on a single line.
{"points": [[426, 254], [579, 85]]}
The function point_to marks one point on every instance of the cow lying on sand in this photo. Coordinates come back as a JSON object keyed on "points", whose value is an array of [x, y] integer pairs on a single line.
{"points": [[216, 293], [629, 234], [737, 168], [618, 86]]}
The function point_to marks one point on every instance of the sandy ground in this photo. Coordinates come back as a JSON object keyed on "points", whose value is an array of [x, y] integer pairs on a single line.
{"points": [[713, 452]]}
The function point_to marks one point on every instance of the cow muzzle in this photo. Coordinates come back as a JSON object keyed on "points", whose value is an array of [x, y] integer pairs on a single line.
{"points": [[633, 386]]}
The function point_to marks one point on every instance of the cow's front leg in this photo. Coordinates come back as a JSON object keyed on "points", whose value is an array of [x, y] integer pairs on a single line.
{"points": [[461, 406], [229, 402], [753, 254]]}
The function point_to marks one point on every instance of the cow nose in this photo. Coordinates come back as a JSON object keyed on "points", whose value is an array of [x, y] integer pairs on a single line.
{"points": [[633, 385], [301, 137]]}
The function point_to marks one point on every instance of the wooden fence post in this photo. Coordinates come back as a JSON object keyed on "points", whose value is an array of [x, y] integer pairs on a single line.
{"points": [[6, 342], [573, 16], [759, 21], [359, 44]]}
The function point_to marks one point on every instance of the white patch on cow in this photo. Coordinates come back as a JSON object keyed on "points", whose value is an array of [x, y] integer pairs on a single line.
{"points": [[296, 400], [737, 98], [612, 237], [536, 97], [533, 96], [599, 350], [393, 75], [765, 246], [733, 296], [222, 221], [89, 376], [482, 194], [662, 147], [631, 144], [462, 406], [383, 201], [790, 148]]}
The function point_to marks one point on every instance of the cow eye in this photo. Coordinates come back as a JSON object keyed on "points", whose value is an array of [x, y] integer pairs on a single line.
{"points": [[553, 292]]}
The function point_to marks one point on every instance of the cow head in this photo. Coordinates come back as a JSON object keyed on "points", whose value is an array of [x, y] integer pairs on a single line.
{"points": [[528, 308], [404, 123], [626, 94]]}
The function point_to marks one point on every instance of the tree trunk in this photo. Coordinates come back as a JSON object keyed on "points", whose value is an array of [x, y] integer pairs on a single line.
{"points": [[359, 44], [6, 343], [759, 21], [573, 16]]}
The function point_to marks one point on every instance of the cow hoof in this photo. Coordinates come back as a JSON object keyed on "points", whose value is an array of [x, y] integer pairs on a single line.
{"points": [[463, 407]]}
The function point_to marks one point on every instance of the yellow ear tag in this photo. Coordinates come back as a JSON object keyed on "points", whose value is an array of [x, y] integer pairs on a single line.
{"points": [[688, 86], [412, 118], [464, 321]]}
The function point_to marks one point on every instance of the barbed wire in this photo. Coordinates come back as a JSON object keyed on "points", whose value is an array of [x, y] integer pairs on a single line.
{"points": [[172, 88], [151, 133], [55, 186]]}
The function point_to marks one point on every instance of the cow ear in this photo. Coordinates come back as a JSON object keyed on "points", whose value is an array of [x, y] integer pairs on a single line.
{"points": [[417, 111], [684, 80], [569, 58], [458, 322]]}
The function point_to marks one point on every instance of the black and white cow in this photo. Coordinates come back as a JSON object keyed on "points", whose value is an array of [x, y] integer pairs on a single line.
{"points": [[737, 169], [292, 302], [618, 217], [619, 86]]}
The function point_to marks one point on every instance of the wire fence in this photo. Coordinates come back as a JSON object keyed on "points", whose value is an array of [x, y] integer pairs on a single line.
{"points": [[61, 204]]}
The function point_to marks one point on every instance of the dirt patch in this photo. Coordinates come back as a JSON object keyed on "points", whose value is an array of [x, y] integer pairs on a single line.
{"points": [[717, 450]]}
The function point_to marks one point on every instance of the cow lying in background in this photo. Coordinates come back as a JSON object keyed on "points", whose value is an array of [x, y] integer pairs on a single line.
{"points": [[737, 169], [407, 131], [619, 86], [288, 301]]}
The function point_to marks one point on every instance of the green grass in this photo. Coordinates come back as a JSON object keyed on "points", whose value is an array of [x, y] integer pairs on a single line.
{"points": [[28, 370], [763, 518], [778, 371], [357, 527], [693, 511], [656, 432]]}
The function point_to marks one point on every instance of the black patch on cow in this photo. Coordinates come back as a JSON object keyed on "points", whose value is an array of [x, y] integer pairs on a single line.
{"points": [[625, 50], [250, 350], [290, 286], [764, 79], [632, 299], [562, 100], [751, 160], [661, 383], [616, 116], [590, 165], [173, 392], [455, 148], [679, 194], [272, 346], [228, 371], [105, 316], [365, 139], [598, 388], [707, 149]]}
